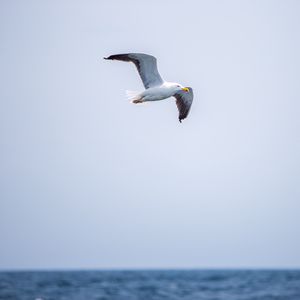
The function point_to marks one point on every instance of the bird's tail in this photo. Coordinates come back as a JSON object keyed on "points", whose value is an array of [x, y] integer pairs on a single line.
{"points": [[134, 96]]}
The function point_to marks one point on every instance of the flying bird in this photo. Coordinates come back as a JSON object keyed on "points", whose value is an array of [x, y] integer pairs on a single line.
{"points": [[155, 87]]}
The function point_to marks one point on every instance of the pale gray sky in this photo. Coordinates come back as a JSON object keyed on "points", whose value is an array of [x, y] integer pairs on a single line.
{"points": [[88, 180]]}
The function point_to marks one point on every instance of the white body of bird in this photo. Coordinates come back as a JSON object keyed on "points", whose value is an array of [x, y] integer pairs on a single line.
{"points": [[166, 90]]}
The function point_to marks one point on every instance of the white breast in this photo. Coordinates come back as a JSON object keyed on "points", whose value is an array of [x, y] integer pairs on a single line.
{"points": [[157, 93]]}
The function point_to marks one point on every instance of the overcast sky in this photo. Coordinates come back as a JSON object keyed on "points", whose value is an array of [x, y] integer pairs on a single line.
{"points": [[88, 180]]}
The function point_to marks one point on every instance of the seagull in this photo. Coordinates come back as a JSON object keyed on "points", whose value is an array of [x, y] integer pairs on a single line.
{"points": [[155, 87]]}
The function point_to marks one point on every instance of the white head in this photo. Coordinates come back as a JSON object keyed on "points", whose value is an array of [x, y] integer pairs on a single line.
{"points": [[178, 87]]}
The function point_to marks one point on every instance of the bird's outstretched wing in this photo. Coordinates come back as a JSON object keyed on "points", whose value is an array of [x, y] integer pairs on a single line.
{"points": [[146, 65], [184, 102]]}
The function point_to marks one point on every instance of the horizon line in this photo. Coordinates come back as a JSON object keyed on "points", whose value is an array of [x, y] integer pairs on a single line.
{"points": [[133, 269]]}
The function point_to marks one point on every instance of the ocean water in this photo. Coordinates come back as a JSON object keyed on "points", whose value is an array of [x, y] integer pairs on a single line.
{"points": [[151, 285]]}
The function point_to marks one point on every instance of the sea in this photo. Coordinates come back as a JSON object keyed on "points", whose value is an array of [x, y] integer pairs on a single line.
{"points": [[151, 285]]}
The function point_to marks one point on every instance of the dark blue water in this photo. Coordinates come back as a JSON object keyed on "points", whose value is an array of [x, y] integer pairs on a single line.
{"points": [[148, 285]]}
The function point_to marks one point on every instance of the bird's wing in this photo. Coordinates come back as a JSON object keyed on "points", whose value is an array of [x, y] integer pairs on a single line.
{"points": [[146, 65], [184, 102]]}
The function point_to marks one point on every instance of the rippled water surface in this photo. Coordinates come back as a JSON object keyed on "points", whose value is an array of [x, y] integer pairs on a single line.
{"points": [[147, 285]]}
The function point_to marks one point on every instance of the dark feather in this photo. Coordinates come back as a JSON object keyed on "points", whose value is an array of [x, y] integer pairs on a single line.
{"points": [[184, 102]]}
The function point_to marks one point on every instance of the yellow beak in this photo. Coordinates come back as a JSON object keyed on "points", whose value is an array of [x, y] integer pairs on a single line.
{"points": [[185, 89]]}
